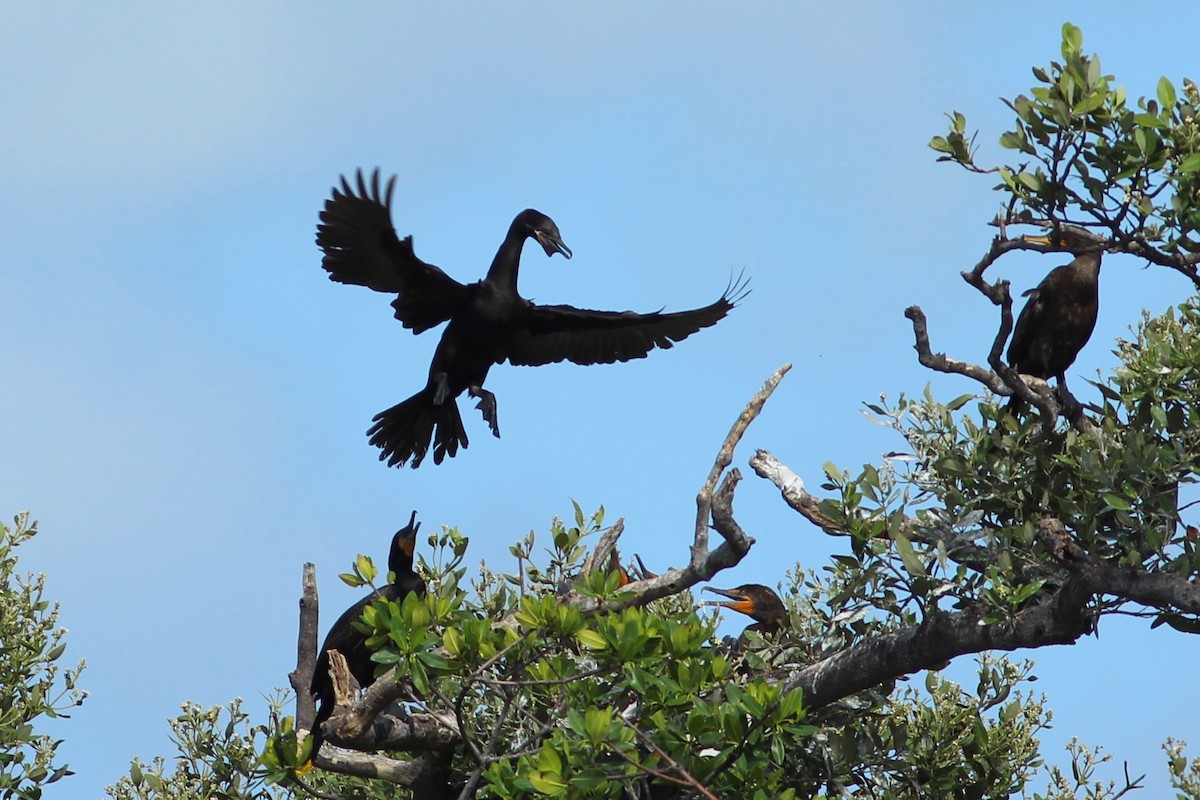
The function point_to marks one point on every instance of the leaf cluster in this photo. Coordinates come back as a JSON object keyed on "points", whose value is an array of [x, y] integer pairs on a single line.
{"points": [[35, 685], [218, 757], [1093, 160]]}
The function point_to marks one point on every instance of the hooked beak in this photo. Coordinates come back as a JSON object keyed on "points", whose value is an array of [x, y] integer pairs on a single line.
{"points": [[552, 244], [739, 602]]}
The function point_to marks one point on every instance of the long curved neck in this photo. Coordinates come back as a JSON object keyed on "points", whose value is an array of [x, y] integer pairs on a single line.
{"points": [[503, 272]]}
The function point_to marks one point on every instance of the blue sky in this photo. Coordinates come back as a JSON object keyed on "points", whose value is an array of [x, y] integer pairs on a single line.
{"points": [[186, 393]]}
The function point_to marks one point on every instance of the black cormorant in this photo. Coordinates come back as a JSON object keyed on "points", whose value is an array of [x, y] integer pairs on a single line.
{"points": [[755, 601], [1059, 316], [489, 322], [351, 642]]}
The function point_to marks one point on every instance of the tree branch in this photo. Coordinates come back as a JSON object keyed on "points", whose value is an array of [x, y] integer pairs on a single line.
{"points": [[712, 503], [363, 765], [960, 548], [306, 650], [1059, 619], [415, 732], [940, 362]]}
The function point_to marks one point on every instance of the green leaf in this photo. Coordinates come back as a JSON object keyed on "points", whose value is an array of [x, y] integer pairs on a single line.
{"points": [[350, 579], [547, 783], [1093, 72], [1117, 502], [550, 761], [1166, 94], [435, 661], [1012, 140], [1072, 40], [365, 567], [908, 555], [959, 402], [1190, 164], [597, 722]]}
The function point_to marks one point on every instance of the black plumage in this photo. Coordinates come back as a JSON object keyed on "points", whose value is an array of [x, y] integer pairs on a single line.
{"points": [[489, 321], [351, 642], [756, 601], [1059, 316]]}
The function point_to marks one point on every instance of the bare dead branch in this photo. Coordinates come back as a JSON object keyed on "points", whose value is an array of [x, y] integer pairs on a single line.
{"points": [[999, 247], [344, 686], [306, 649], [364, 765], [422, 731], [725, 458], [791, 486], [940, 362], [713, 504], [601, 556]]}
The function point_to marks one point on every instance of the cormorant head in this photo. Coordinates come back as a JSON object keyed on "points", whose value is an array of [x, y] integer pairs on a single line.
{"points": [[754, 600], [537, 225], [1087, 247], [400, 557], [1069, 239]]}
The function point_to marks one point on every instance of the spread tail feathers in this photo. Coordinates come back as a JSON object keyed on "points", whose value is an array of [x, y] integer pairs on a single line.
{"points": [[403, 432]]}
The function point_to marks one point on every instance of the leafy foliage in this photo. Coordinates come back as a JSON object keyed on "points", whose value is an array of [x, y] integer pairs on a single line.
{"points": [[35, 686], [1092, 160], [552, 702], [218, 758]]}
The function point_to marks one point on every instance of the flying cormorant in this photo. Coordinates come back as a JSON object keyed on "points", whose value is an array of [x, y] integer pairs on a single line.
{"points": [[489, 322], [1059, 316], [351, 642]]}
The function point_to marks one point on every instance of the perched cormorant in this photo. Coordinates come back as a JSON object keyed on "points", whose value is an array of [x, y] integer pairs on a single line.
{"points": [[351, 642], [755, 601], [1059, 316], [489, 321]]}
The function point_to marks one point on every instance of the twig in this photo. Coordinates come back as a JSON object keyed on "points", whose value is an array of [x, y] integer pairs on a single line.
{"points": [[687, 778], [314, 792]]}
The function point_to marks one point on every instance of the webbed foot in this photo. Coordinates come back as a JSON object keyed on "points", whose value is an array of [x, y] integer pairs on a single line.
{"points": [[486, 404]]}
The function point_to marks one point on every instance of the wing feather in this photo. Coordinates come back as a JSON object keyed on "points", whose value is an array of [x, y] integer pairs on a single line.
{"points": [[583, 336], [361, 248]]}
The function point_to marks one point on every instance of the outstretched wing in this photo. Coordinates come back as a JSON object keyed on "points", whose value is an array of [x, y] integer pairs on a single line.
{"points": [[558, 333], [361, 247]]}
